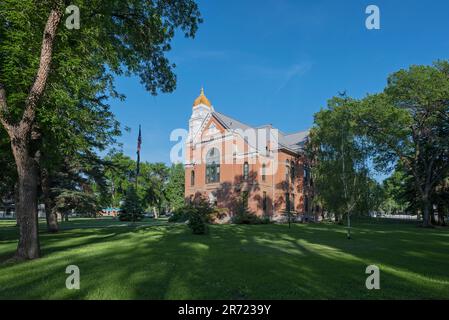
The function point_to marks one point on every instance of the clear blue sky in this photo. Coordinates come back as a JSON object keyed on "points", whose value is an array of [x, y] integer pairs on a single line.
{"points": [[279, 61]]}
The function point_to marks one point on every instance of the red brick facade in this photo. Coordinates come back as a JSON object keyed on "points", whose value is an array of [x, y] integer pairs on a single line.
{"points": [[226, 166]]}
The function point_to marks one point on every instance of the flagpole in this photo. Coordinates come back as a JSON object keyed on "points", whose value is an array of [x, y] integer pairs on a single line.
{"points": [[139, 144]]}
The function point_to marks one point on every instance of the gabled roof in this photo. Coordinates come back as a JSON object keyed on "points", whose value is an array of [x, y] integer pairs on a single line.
{"points": [[294, 142]]}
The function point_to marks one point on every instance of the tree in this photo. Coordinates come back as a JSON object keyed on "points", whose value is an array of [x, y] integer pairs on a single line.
{"points": [[120, 173], [155, 186], [339, 161], [175, 187], [409, 123], [132, 206], [40, 61]]}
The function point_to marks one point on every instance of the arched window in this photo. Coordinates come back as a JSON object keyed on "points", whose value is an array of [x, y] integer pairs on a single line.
{"points": [[292, 172], [264, 172], [292, 202], [245, 171], [192, 178], [287, 171], [213, 166], [306, 175]]}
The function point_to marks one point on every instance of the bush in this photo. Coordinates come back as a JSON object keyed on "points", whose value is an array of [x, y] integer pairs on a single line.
{"points": [[197, 223], [198, 215], [124, 216], [179, 216], [247, 218], [266, 220]]}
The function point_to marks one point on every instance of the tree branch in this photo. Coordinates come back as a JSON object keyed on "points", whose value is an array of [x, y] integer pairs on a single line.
{"points": [[40, 82], [4, 108]]}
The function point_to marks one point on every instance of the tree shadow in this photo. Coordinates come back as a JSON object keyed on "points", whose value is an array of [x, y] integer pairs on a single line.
{"points": [[234, 262]]}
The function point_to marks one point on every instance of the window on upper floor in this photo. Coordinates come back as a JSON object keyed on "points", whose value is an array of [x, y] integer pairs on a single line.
{"points": [[287, 202], [213, 166], [246, 171], [192, 178], [292, 173], [264, 172]]}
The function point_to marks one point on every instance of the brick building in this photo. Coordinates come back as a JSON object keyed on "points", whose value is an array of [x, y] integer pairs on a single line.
{"points": [[228, 161]]}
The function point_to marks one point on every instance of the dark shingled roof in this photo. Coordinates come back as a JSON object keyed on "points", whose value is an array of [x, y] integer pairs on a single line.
{"points": [[294, 142]]}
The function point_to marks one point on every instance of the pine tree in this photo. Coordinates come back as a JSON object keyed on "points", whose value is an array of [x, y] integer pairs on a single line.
{"points": [[132, 206]]}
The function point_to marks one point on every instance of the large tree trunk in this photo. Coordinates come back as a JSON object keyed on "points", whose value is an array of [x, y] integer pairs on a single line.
{"points": [[432, 215], [426, 212], [441, 221], [26, 207], [50, 215]]}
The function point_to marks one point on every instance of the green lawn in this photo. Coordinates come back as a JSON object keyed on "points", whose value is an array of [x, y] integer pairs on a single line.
{"points": [[157, 260]]}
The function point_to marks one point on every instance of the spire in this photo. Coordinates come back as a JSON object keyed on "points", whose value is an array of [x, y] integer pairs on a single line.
{"points": [[202, 99]]}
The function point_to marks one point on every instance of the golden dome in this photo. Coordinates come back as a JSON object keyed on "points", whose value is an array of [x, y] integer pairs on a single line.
{"points": [[202, 100]]}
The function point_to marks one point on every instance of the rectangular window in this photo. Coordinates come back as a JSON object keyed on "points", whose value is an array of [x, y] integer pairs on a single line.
{"points": [[264, 202], [306, 175], [306, 204], [192, 178], [287, 202], [292, 202], [246, 171], [264, 173]]}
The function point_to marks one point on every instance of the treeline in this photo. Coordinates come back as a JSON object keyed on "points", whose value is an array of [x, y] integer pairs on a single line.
{"points": [[86, 185], [160, 189], [402, 132]]}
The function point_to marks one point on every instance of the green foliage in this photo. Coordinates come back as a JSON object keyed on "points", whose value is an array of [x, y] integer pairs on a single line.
{"points": [[82, 203], [247, 218], [408, 125], [158, 185], [197, 222], [178, 216], [181, 214], [175, 186], [242, 214], [198, 215], [71, 116], [405, 127], [133, 35], [7, 168], [132, 207], [339, 156]]}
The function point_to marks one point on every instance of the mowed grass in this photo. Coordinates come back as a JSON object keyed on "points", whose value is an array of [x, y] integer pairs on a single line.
{"points": [[157, 260]]}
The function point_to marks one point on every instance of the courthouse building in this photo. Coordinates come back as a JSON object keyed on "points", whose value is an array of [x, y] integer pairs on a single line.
{"points": [[229, 162]]}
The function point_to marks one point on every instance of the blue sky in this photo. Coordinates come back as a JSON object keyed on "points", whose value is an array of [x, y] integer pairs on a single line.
{"points": [[279, 61]]}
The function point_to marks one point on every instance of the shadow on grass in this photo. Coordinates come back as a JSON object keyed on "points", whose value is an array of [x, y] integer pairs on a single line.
{"points": [[234, 262]]}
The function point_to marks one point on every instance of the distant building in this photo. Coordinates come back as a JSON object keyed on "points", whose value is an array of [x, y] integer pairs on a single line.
{"points": [[110, 212], [7, 210], [229, 162]]}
